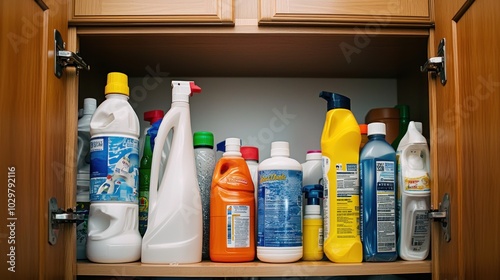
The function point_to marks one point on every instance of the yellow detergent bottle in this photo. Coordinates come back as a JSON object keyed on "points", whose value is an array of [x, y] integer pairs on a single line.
{"points": [[340, 142]]}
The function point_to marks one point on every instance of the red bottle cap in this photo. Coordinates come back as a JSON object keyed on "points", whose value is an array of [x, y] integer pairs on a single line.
{"points": [[250, 153]]}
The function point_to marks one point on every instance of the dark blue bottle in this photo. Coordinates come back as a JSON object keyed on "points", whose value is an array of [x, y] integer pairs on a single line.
{"points": [[378, 197]]}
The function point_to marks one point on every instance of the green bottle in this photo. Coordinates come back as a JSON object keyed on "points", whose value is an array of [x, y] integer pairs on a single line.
{"points": [[404, 120], [144, 176]]}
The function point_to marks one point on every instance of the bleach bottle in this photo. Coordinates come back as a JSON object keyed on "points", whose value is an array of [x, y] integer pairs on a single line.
{"points": [[413, 195], [114, 177], [175, 227], [378, 196], [280, 207], [340, 142], [232, 222]]}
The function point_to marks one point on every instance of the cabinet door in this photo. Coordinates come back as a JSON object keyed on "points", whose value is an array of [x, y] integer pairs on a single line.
{"points": [[33, 106], [465, 122], [151, 11], [381, 13]]}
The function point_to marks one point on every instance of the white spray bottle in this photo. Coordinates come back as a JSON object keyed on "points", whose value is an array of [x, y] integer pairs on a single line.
{"points": [[413, 195], [175, 228]]}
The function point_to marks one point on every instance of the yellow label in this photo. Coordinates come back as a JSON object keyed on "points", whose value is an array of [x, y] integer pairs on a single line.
{"points": [[421, 183]]}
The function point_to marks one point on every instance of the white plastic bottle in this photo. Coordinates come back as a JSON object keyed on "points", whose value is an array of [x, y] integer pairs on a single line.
{"points": [[251, 156], [114, 155], [279, 207], [204, 154], [175, 223], [413, 195], [83, 175]]}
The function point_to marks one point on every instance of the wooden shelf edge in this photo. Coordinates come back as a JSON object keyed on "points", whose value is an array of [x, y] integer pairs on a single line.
{"points": [[257, 269]]}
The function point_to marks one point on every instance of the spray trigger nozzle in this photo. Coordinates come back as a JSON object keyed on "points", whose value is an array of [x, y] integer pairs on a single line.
{"points": [[194, 88]]}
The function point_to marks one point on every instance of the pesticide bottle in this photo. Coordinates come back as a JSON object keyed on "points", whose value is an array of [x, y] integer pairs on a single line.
{"points": [[378, 196], [313, 223], [146, 156], [232, 203], [280, 207], [114, 172], [204, 154], [83, 175], [413, 195], [340, 142], [175, 225]]}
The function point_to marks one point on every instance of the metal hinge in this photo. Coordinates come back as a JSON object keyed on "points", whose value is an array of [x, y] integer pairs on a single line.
{"points": [[443, 215], [64, 58], [437, 65], [59, 216]]}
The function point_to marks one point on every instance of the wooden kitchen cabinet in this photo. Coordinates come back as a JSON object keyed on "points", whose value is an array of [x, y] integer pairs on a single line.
{"points": [[463, 120], [151, 11], [342, 12]]}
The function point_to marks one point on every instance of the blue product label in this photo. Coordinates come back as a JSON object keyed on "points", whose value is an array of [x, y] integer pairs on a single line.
{"points": [[114, 169], [280, 208]]}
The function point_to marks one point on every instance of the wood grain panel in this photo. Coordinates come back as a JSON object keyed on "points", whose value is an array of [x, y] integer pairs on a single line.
{"points": [[151, 11], [345, 11]]}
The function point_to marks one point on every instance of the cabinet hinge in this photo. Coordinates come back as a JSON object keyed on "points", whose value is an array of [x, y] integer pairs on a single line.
{"points": [[443, 215], [59, 216]]}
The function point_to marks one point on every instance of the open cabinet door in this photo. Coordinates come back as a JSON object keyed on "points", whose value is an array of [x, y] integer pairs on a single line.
{"points": [[466, 132], [33, 141]]}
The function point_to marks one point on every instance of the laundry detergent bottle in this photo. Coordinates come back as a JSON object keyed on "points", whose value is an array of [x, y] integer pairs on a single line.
{"points": [[340, 142], [113, 235], [413, 195], [175, 227]]}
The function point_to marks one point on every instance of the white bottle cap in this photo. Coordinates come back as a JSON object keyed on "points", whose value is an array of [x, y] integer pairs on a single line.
{"points": [[313, 155], [376, 128], [232, 147], [280, 148], [89, 106], [418, 126]]}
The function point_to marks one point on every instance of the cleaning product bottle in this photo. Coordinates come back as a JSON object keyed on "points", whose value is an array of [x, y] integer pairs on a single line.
{"points": [[313, 223], [146, 156], [378, 196], [232, 203], [175, 225], [280, 207], [311, 169], [413, 195], [404, 119], [205, 163], [114, 166], [251, 156], [83, 175], [363, 128], [340, 142]]}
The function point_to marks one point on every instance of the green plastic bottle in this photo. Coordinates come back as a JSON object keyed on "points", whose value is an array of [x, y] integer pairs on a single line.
{"points": [[144, 178], [404, 120]]}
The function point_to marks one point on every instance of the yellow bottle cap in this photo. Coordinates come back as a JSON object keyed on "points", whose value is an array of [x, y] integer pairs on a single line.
{"points": [[117, 83]]}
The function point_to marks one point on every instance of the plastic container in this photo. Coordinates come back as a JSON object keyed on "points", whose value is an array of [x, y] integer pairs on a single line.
{"points": [[340, 142], [389, 116], [175, 225], [232, 203], [312, 170], [378, 197], [251, 156], [363, 128], [144, 181], [413, 195], [204, 154], [313, 223], [83, 175], [151, 117], [114, 166], [404, 119], [280, 207]]}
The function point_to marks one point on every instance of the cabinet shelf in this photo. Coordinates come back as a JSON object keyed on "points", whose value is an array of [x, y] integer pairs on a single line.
{"points": [[254, 269]]}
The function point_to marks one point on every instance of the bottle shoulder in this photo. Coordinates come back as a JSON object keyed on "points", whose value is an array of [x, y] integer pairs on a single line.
{"points": [[280, 163], [377, 149]]}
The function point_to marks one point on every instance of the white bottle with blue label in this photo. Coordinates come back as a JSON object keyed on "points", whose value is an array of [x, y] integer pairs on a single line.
{"points": [[114, 177], [279, 208]]}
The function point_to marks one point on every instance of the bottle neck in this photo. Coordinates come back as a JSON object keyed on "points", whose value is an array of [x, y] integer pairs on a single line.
{"points": [[116, 96], [376, 137]]}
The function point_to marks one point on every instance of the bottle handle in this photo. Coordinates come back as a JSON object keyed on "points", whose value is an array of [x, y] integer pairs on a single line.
{"points": [[115, 227], [171, 117]]}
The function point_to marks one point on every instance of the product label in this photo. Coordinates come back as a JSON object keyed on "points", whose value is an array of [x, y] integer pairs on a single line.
{"points": [[280, 208], [346, 207], [421, 183], [114, 169], [421, 229], [238, 226], [386, 205]]}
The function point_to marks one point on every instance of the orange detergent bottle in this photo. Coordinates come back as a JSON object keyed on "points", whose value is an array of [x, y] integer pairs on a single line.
{"points": [[232, 208]]}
